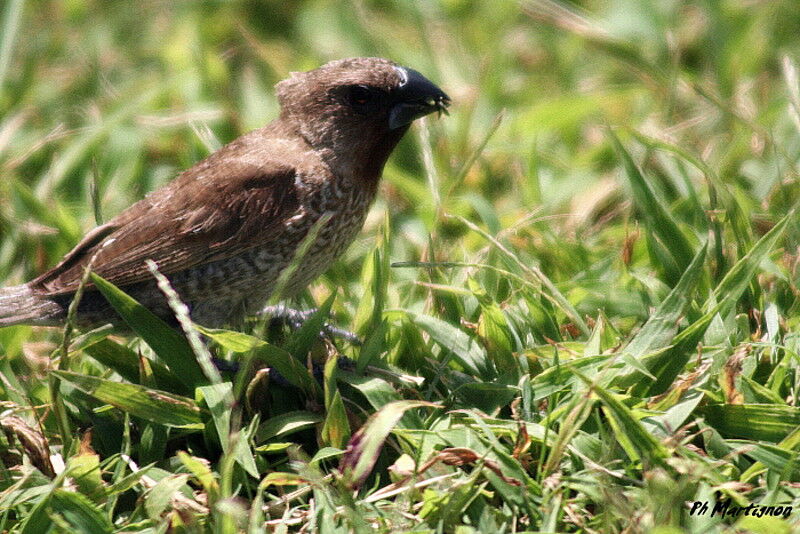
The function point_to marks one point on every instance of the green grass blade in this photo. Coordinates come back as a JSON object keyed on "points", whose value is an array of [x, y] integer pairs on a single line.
{"points": [[78, 513], [171, 347], [659, 331], [125, 362], [466, 350], [667, 365], [278, 358], [637, 441], [218, 399], [760, 422], [285, 424], [365, 445], [301, 340], [660, 328], [12, 14], [659, 221], [149, 404]]}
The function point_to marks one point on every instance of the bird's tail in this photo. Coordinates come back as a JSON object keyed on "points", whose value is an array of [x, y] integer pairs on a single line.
{"points": [[20, 305]]}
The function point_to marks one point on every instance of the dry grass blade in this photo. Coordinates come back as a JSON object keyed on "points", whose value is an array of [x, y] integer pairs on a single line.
{"points": [[32, 441]]}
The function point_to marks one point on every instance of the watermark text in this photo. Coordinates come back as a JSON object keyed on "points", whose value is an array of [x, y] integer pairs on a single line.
{"points": [[728, 509]]}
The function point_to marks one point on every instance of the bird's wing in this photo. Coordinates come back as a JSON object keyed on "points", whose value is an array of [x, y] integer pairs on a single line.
{"points": [[197, 219]]}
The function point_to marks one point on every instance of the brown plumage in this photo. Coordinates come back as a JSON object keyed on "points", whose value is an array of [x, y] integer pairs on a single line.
{"points": [[223, 230]]}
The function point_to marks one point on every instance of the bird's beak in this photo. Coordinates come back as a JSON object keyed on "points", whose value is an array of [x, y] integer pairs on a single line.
{"points": [[416, 97]]}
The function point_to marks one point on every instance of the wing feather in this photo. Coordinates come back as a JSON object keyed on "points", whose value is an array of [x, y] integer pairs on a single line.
{"points": [[198, 218]]}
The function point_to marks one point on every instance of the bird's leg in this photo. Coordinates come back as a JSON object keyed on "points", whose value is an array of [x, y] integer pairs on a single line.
{"points": [[295, 318]]}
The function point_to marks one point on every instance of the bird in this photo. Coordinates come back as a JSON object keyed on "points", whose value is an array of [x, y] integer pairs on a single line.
{"points": [[224, 230]]}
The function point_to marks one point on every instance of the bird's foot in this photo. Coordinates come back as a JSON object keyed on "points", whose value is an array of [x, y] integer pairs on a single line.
{"points": [[295, 318]]}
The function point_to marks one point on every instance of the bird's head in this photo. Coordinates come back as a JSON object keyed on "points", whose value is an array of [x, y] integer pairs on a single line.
{"points": [[357, 106]]}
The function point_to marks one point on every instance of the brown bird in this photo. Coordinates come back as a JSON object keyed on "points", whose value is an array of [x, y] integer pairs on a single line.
{"points": [[224, 230]]}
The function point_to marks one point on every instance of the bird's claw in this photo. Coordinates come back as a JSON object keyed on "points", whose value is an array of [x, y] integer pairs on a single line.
{"points": [[295, 318]]}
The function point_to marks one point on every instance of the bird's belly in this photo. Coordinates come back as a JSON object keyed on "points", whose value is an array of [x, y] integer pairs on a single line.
{"points": [[221, 291]]}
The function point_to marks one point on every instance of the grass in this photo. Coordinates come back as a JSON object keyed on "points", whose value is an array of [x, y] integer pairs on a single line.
{"points": [[578, 293]]}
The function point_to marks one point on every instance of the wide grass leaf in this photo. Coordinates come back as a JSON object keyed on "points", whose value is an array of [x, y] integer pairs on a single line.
{"points": [[301, 340], [760, 422], [782, 461], [660, 328], [161, 496], [149, 404], [166, 342], [559, 377], [336, 430], [126, 362], [275, 357], [80, 514], [378, 394], [637, 441], [287, 423], [467, 351], [365, 445], [494, 330]]}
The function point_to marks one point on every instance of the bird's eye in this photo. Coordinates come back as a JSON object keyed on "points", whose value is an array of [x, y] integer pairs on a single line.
{"points": [[361, 97]]}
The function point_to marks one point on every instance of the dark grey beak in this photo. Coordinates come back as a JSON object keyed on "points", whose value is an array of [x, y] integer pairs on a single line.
{"points": [[416, 97]]}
